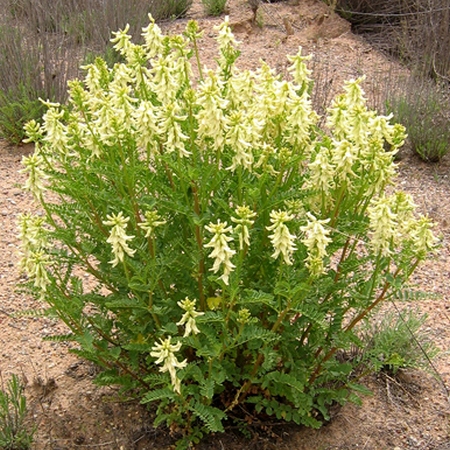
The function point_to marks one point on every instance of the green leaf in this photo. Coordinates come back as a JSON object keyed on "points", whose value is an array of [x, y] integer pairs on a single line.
{"points": [[158, 394], [210, 416], [207, 388], [259, 298]]}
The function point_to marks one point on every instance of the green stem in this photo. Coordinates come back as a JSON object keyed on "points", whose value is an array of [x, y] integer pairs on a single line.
{"points": [[199, 239], [259, 360], [150, 308]]}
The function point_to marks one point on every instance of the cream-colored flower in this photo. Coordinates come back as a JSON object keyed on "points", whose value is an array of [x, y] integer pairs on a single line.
{"points": [[244, 220], [383, 225], [243, 136], [165, 354], [33, 130], [212, 121], [36, 269], [188, 318], [300, 119], [152, 220], [118, 237], [170, 127], [34, 242], [36, 175], [281, 239], [222, 252], [423, 239], [120, 98], [146, 125], [322, 171], [226, 40], [345, 155], [298, 69], [33, 237], [354, 94], [122, 41], [167, 75], [153, 38], [316, 239]]}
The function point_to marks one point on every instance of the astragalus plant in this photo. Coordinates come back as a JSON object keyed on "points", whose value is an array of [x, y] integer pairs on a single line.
{"points": [[232, 247]]}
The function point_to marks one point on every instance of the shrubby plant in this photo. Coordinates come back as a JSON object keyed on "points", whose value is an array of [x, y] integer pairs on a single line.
{"points": [[21, 84], [214, 7], [232, 247], [398, 341], [422, 106], [14, 432]]}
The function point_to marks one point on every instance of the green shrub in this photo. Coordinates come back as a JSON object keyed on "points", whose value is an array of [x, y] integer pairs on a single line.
{"points": [[168, 9], [398, 341], [423, 108], [214, 7], [14, 434], [20, 85], [415, 31], [232, 247]]}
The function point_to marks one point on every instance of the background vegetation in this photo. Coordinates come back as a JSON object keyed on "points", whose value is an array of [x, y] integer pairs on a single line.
{"points": [[417, 32], [43, 43]]}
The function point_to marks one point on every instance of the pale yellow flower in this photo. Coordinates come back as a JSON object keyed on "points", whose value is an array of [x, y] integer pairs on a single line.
{"points": [[153, 38], [243, 136], [33, 236], [300, 118], [226, 40], [222, 252], [212, 121], [345, 155], [36, 264], [118, 237], [188, 318], [322, 171], [33, 130], [170, 127], [145, 122], [316, 239], [122, 41], [383, 225], [424, 241], [281, 239], [152, 220], [167, 75], [298, 69], [36, 175], [165, 354], [354, 94], [244, 220]]}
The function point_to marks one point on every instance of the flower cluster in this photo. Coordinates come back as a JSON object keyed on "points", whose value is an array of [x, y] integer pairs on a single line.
{"points": [[244, 220], [152, 221], [36, 174], [188, 318], [316, 240], [222, 252], [165, 354], [118, 237], [282, 240], [392, 224], [34, 245]]}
